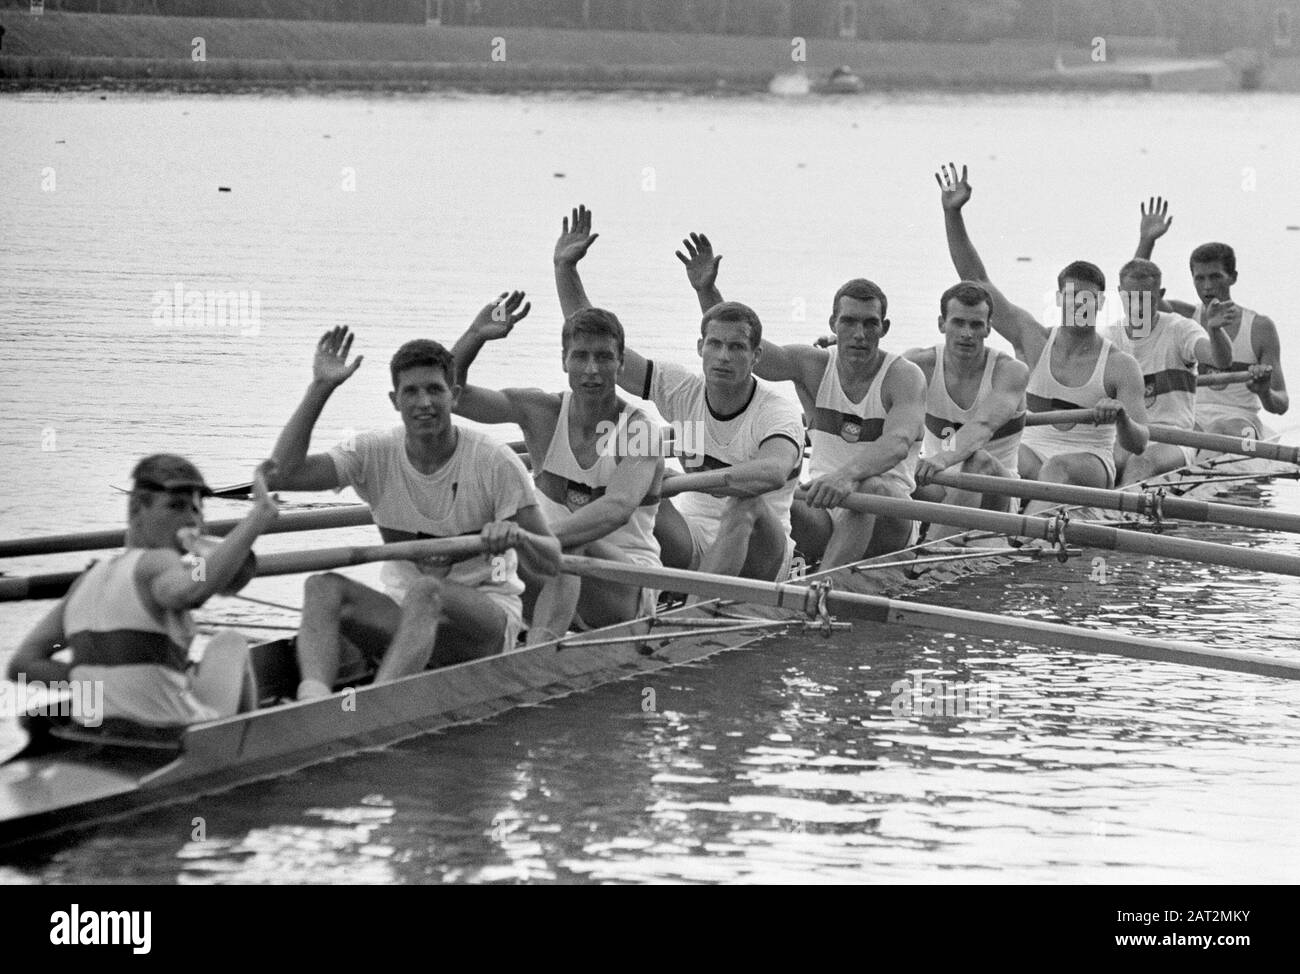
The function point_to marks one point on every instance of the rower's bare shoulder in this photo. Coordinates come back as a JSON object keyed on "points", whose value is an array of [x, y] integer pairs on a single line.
{"points": [[1121, 369], [153, 564], [1010, 373], [923, 358], [905, 375], [1262, 330]]}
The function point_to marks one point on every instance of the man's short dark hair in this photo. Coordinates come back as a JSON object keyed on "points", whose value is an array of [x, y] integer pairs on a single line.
{"points": [[734, 311], [860, 289], [1216, 253], [1141, 267], [594, 323], [968, 293], [423, 353], [1081, 270]]}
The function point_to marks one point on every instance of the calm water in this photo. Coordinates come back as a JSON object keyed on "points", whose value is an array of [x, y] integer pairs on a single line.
{"points": [[776, 764]]}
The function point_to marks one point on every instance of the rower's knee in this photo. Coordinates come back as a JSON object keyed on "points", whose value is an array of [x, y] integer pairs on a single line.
{"points": [[424, 593], [328, 588]]}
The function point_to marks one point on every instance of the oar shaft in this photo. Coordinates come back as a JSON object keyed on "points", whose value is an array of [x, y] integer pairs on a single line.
{"points": [[340, 517], [878, 609], [56, 584], [1037, 490], [1131, 502], [1078, 533], [1245, 445]]}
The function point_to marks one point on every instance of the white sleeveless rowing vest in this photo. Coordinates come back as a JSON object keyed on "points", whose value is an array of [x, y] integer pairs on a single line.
{"points": [[1167, 357], [1237, 395], [567, 486], [141, 658], [1046, 393], [943, 417], [839, 426]]}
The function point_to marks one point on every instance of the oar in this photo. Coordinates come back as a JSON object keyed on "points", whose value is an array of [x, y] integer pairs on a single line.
{"points": [[1243, 446], [1223, 378], [1146, 503], [1058, 531], [339, 517], [873, 608], [56, 584]]}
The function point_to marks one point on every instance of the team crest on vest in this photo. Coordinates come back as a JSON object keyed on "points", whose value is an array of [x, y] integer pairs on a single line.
{"points": [[850, 430], [577, 496], [1150, 392]]}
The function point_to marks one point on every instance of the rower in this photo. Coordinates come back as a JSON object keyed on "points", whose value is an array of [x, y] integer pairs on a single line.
{"points": [[427, 478], [1231, 410], [866, 413], [732, 517], [127, 619], [1168, 347], [1071, 365], [598, 465], [974, 403]]}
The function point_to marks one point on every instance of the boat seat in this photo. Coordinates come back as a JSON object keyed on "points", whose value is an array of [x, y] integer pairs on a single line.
{"points": [[275, 671]]}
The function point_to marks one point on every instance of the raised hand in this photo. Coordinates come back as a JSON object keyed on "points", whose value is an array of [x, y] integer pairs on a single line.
{"points": [[701, 263], [576, 238], [954, 192], [499, 317], [1154, 224], [1221, 314], [263, 502], [331, 363], [825, 341]]}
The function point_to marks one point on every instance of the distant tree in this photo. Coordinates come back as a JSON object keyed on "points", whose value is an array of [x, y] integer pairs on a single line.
{"points": [[894, 20], [988, 19]]}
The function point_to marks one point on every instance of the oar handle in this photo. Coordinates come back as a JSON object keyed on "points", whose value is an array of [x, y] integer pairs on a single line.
{"points": [[1059, 417], [1223, 378]]}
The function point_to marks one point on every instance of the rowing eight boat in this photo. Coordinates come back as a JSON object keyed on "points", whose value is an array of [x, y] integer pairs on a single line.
{"points": [[70, 778]]}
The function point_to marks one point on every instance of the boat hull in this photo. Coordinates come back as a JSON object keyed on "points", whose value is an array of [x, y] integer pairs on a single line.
{"points": [[72, 785]]}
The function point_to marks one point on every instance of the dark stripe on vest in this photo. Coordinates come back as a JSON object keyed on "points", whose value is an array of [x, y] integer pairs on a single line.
{"points": [[574, 494], [1038, 404], [393, 535], [849, 427], [1170, 380], [126, 647], [944, 427]]}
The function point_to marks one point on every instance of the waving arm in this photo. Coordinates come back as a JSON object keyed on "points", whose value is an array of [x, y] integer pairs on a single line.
{"points": [[1011, 321], [294, 469]]}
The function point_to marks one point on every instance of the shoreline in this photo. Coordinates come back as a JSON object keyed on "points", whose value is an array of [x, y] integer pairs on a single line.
{"points": [[58, 51]]}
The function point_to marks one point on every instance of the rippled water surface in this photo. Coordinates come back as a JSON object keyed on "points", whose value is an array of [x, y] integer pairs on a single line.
{"points": [[791, 760]]}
